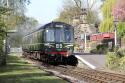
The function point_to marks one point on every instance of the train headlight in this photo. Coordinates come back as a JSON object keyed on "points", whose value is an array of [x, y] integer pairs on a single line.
{"points": [[68, 46], [57, 45], [48, 45], [60, 45]]}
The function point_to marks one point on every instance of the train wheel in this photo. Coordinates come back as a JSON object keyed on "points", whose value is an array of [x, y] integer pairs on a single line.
{"points": [[72, 60]]}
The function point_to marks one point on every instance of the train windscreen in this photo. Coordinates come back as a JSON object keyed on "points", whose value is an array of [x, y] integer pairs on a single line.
{"points": [[59, 35], [50, 35], [68, 34]]}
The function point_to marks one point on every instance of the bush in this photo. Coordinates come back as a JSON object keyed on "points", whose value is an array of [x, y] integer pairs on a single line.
{"points": [[116, 60], [122, 63], [121, 52], [100, 49], [93, 45], [112, 61], [94, 51]]}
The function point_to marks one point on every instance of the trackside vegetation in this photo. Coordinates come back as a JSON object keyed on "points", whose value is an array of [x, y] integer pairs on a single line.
{"points": [[116, 60], [18, 70]]}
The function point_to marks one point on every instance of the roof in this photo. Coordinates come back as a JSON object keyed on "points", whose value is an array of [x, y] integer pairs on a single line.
{"points": [[49, 24]]}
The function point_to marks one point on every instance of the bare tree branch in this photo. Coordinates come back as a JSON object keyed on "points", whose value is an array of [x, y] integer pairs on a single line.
{"points": [[78, 3], [94, 2]]}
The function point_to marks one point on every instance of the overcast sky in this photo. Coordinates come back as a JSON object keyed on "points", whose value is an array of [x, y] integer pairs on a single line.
{"points": [[44, 10]]}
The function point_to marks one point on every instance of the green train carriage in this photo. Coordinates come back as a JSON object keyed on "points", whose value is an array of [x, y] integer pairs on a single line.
{"points": [[53, 43]]}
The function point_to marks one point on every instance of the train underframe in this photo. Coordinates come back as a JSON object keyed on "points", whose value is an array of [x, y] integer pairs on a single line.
{"points": [[53, 59]]}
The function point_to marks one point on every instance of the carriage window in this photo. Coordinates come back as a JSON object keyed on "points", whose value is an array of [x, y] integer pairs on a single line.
{"points": [[50, 35]]}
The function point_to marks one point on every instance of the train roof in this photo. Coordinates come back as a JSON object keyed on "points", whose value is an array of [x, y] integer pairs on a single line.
{"points": [[53, 24], [50, 24]]}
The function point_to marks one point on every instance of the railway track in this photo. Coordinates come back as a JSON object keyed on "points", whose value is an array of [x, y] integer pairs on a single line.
{"points": [[88, 75]]}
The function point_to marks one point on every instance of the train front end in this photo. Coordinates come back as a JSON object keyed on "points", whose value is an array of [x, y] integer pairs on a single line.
{"points": [[60, 42]]}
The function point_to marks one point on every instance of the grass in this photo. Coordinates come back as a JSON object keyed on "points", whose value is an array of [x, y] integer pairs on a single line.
{"points": [[19, 71]]}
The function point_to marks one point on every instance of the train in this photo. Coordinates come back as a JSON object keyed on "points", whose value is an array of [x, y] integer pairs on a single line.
{"points": [[52, 43]]}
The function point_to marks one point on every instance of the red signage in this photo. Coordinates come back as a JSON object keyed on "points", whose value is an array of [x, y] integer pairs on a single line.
{"points": [[101, 36]]}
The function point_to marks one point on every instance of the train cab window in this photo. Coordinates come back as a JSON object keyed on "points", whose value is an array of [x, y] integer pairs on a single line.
{"points": [[59, 35], [50, 35], [68, 35]]}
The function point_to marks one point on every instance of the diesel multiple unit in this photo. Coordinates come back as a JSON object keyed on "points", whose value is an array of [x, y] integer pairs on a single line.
{"points": [[52, 43]]}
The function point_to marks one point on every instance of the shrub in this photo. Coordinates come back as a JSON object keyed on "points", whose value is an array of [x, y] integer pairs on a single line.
{"points": [[116, 60], [112, 61], [122, 62], [121, 52], [94, 51], [93, 45], [100, 49]]}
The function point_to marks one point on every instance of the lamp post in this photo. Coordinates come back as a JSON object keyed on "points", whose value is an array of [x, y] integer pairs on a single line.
{"points": [[83, 16], [115, 31]]}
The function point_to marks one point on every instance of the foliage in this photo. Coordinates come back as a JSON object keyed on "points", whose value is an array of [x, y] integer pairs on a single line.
{"points": [[10, 13], [92, 17], [17, 10], [113, 10], [122, 63], [68, 12], [94, 51], [3, 11], [121, 29], [88, 4], [93, 44], [107, 23], [15, 17], [112, 60], [116, 60], [107, 8], [118, 10], [66, 15], [121, 52], [25, 27], [71, 10], [100, 49]]}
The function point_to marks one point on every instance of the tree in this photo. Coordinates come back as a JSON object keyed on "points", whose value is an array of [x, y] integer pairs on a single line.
{"points": [[121, 29], [67, 14], [3, 11], [118, 10], [107, 24], [92, 13], [73, 8], [10, 10], [18, 8], [25, 27]]}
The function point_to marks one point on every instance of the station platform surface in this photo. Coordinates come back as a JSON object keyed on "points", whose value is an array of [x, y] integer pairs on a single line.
{"points": [[93, 61]]}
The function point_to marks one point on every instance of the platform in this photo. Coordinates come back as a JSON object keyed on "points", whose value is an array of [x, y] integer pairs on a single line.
{"points": [[93, 61]]}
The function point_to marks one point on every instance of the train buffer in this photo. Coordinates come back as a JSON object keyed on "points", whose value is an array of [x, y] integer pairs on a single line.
{"points": [[92, 61]]}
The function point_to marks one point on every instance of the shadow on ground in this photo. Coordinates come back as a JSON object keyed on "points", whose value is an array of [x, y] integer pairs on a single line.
{"points": [[19, 71]]}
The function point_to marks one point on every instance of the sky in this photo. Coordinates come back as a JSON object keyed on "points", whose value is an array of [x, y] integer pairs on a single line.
{"points": [[44, 10]]}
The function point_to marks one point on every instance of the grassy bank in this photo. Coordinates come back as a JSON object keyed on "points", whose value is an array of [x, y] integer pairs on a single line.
{"points": [[19, 71]]}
